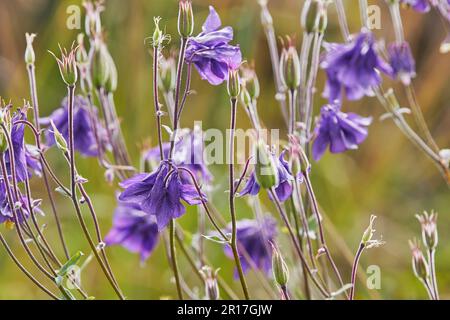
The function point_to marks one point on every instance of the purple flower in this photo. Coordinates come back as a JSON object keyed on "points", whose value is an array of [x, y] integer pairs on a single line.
{"points": [[85, 140], [284, 187], [341, 131], [210, 50], [32, 159], [160, 194], [188, 153], [134, 230], [353, 67], [402, 62], [421, 6], [254, 239]]}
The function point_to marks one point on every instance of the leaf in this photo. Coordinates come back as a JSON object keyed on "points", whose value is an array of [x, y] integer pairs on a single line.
{"points": [[69, 264]]}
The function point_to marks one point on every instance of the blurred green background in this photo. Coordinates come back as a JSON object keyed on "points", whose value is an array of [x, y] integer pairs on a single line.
{"points": [[387, 176]]}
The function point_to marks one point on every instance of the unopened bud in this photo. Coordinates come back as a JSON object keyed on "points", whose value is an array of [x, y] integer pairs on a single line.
{"points": [[30, 56], [265, 168], [314, 16], [185, 19], [82, 56], [251, 82], [167, 74], [234, 83], [419, 263], [212, 291], [61, 143], [428, 223], [100, 64], [290, 68], [279, 267]]}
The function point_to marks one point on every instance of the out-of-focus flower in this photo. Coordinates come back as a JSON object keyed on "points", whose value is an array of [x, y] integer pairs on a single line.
{"points": [[338, 130], [211, 52], [134, 230], [353, 68], [283, 189], [402, 62], [419, 262], [418, 5], [32, 158], [254, 238], [160, 194], [85, 140], [428, 223]]}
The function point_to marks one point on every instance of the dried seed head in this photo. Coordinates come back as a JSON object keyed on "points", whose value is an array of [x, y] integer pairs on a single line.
{"points": [[185, 19], [30, 56], [428, 223], [67, 65], [419, 263]]}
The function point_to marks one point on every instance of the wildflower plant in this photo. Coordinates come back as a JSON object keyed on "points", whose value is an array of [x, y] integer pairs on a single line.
{"points": [[174, 177]]}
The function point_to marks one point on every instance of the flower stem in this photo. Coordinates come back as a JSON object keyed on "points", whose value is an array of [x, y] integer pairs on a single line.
{"points": [[342, 19], [432, 263], [232, 197], [355, 271], [156, 52], [364, 11], [173, 257]]}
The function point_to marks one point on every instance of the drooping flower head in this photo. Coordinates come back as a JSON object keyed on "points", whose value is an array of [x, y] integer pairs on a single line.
{"points": [[160, 193], [339, 131], [353, 68], [254, 238], [189, 153], [283, 188], [85, 139], [211, 52], [402, 62], [134, 230]]}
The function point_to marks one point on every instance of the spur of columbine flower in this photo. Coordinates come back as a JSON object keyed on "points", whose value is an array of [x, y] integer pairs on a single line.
{"points": [[210, 51], [283, 187], [353, 67], [134, 230], [402, 62], [254, 244], [339, 131], [161, 193], [85, 139], [189, 153]]}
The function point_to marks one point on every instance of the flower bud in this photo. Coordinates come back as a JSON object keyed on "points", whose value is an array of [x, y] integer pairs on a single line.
{"points": [[265, 169], [246, 99], [59, 139], [419, 263], [290, 68], [100, 64], [68, 65], [167, 74], [234, 83], [111, 84], [428, 223], [251, 82], [185, 19], [314, 16], [279, 267], [212, 291], [30, 56], [82, 56]]}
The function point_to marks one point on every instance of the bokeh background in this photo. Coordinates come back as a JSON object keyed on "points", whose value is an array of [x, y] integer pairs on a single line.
{"points": [[387, 176]]}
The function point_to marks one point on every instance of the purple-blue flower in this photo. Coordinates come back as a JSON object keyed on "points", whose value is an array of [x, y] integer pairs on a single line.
{"points": [[339, 131], [353, 68], [160, 193], [211, 52], [402, 62], [134, 230], [254, 238], [85, 140], [284, 187], [421, 6], [188, 153]]}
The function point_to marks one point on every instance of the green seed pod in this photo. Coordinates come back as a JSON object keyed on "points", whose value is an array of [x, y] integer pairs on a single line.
{"points": [[419, 263], [167, 74], [61, 143], [185, 19], [290, 68], [265, 168], [100, 64], [68, 66], [30, 56], [111, 84], [279, 267], [314, 16], [234, 84]]}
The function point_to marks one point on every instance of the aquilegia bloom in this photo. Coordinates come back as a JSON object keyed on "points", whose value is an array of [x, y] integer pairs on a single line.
{"points": [[353, 68], [338, 130], [160, 193], [402, 62], [254, 240], [85, 140], [284, 187], [134, 230], [211, 52]]}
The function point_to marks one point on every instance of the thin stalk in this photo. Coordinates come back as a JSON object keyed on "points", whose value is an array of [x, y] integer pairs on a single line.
{"points": [[156, 99], [173, 257], [285, 293], [342, 19], [35, 101], [304, 64], [293, 111], [432, 263], [394, 9], [232, 201], [355, 271], [187, 90], [364, 12]]}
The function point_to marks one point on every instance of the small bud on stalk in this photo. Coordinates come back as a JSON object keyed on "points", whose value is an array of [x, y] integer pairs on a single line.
{"points": [[290, 68], [234, 83], [68, 65], [250, 82], [61, 143], [185, 19], [419, 263], [279, 267], [30, 56], [314, 16], [429, 229], [265, 168], [212, 291]]}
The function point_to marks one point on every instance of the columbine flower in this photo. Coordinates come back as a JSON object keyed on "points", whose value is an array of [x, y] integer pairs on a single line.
{"points": [[254, 243], [353, 67], [134, 230], [189, 153], [160, 193], [210, 51], [341, 131], [85, 140], [283, 189], [421, 6], [402, 62]]}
